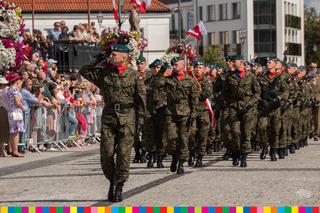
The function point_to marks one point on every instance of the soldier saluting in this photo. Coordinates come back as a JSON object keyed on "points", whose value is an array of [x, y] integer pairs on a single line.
{"points": [[124, 97]]}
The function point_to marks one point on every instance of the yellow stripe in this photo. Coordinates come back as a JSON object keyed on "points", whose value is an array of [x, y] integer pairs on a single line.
{"points": [[4, 209], [267, 209], [101, 210], [73, 209], [170, 209], [239, 209], [198, 209], [294, 209], [128, 209]]}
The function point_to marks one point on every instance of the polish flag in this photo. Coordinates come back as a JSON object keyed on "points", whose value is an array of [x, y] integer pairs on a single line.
{"points": [[141, 5], [197, 31], [207, 102], [115, 10]]}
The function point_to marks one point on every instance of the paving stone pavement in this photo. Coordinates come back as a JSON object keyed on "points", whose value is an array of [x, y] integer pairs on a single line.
{"points": [[75, 178]]}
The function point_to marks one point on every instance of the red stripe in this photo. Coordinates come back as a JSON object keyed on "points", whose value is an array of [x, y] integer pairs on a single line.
{"points": [[149, 209], [52, 209], [219, 209], [163, 209], [87, 210], [253, 209], [315, 209]]}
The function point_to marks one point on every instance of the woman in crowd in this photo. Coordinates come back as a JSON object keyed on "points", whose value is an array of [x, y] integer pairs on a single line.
{"points": [[15, 113], [4, 123]]}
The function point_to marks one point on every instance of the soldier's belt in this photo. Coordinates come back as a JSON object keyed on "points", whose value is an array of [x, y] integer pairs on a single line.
{"points": [[118, 107]]}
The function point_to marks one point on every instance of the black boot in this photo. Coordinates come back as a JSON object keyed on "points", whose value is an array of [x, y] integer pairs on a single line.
{"points": [[150, 160], [227, 154], [143, 157], [199, 162], [264, 152], [173, 167], [281, 153], [286, 152], [244, 160], [191, 159], [306, 142], [296, 146], [209, 149], [292, 150], [236, 158], [111, 192], [159, 162], [137, 155], [301, 143], [273, 154], [180, 169], [218, 146], [118, 192]]}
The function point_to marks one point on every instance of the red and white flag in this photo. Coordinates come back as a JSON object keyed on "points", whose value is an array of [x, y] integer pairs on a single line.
{"points": [[115, 10], [207, 102], [197, 31], [142, 5]]}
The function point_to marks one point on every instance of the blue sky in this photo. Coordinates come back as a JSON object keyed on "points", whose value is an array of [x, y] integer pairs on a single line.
{"points": [[313, 3]]}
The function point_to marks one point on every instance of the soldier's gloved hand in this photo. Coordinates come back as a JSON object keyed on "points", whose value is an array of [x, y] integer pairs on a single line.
{"points": [[264, 105], [203, 96], [245, 109], [275, 102]]}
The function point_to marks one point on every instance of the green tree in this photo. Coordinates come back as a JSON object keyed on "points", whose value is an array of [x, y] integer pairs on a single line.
{"points": [[213, 56], [312, 38]]}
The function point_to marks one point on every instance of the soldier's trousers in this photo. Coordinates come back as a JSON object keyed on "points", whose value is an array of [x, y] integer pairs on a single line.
{"points": [[316, 120], [115, 147], [149, 130], [178, 134], [289, 125], [160, 135], [241, 130], [296, 125], [283, 138], [199, 134], [304, 123]]}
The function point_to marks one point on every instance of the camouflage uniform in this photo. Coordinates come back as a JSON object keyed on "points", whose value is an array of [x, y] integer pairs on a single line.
{"points": [[241, 94], [199, 134], [182, 99], [124, 95]]}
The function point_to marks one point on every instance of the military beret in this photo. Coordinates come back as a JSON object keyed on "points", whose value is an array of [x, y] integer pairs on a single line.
{"points": [[175, 59], [302, 68], [238, 57], [155, 63], [230, 58], [291, 64], [272, 59], [198, 63], [141, 59], [120, 48]]}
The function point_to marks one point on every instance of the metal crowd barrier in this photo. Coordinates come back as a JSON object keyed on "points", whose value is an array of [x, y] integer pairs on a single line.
{"points": [[47, 127], [72, 55]]}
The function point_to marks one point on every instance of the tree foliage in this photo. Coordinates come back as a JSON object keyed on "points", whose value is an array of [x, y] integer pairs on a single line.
{"points": [[312, 38], [213, 56]]}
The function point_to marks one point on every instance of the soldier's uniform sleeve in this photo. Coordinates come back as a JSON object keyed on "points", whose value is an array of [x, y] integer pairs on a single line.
{"points": [[284, 89], [256, 90], [93, 74], [140, 98], [207, 90]]}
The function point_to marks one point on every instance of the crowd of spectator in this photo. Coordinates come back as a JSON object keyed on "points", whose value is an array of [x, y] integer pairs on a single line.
{"points": [[33, 99]]}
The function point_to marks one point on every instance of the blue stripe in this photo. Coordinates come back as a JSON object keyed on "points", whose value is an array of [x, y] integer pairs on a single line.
{"points": [[115, 209], [11, 209], [45, 209], [246, 209], [142, 210], [212, 210], [308, 209], [176, 209], [80, 210], [281, 209]]}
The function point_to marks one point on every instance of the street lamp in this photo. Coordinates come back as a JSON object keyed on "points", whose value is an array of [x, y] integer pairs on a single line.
{"points": [[243, 37], [100, 18], [120, 5]]}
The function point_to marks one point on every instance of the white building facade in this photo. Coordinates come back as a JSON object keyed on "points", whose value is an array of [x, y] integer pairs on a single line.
{"points": [[254, 28]]}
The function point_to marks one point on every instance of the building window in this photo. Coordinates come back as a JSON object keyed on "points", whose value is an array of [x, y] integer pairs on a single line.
{"points": [[200, 13], [265, 12], [190, 20], [212, 39], [223, 11], [211, 13], [236, 37], [236, 10], [224, 38]]}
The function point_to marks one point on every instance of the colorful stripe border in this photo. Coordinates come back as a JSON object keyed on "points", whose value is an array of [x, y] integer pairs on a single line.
{"points": [[167, 209]]}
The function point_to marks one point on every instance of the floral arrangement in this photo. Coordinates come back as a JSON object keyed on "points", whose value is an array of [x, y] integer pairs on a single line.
{"points": [[182, 50], [7, 56], [132, 40], [11, 30]]}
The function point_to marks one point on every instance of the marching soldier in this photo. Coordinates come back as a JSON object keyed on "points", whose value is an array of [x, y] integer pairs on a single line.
{"points": [[201, 125], [315, 81], [182, 99], [241, 92], [124, 97]]}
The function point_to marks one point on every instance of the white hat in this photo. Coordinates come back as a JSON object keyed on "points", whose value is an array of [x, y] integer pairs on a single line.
{"points": [[3, 80]]}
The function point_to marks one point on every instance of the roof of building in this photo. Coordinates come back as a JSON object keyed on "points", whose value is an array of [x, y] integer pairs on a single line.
{"points": [[174, 1], [79, 6]]}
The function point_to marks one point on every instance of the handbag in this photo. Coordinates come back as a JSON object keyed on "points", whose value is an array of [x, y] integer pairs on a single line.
{"points": [[17, 116]]}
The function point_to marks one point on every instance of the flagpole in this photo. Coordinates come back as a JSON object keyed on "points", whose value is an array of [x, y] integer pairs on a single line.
{"points": [[119, 12], [179, 20]]}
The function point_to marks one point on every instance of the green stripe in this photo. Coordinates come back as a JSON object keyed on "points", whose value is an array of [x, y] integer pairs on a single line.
{"points": [[183, 210], [17, 210], [225, 209], [122, 209], [287, 209], [156, 209], [59, 209]]}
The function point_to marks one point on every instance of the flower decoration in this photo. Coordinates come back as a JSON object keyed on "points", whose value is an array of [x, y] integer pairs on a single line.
{"points": [[11, 31], [132, 40], [182, 49]]}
